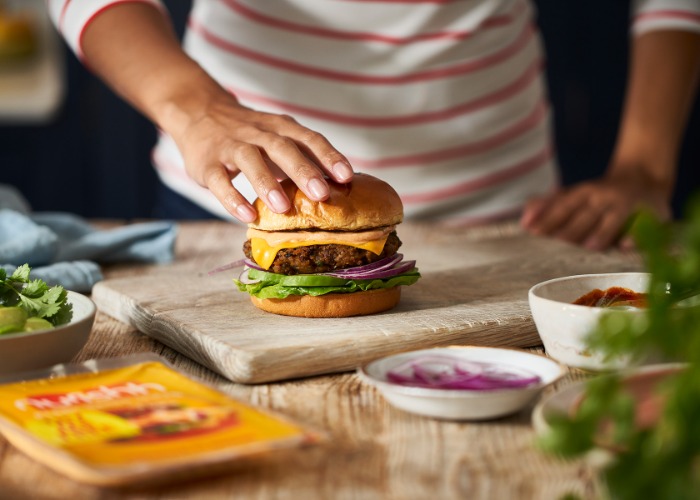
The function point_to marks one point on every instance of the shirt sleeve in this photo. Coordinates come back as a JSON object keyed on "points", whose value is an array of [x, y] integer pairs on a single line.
{"points": [[651, 15], [71, 17]]}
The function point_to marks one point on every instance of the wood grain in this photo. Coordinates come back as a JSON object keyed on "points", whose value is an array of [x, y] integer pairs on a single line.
{"points": [[373, 451], [471, 292]]}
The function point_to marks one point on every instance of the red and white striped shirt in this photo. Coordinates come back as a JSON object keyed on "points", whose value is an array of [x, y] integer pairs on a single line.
{"points": [[443, 99]]}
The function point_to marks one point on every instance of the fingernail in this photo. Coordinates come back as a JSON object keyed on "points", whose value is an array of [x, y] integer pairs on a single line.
{"points": [[245, 213], [342, 171], [318, 189], [278, 201]]}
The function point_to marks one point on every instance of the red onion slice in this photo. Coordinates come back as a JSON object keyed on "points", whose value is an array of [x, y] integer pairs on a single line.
{"points": [[380, 264], [450, 373], [381, 273], [384, 268], [381, 269], [226, 267], [243, 278], [252, 264]]}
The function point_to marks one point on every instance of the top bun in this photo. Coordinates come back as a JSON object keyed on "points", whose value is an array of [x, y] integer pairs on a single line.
{"points": [[364, 203]]}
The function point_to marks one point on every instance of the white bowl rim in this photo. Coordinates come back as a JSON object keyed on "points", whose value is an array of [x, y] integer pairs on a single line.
{"points": [[72, 297], [533, 291], [542, 413], [461, 393]]}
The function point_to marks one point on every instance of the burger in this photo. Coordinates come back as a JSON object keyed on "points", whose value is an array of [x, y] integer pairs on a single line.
{"points": [[334, 258]]}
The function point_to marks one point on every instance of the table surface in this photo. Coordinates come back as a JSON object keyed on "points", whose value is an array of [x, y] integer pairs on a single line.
{"points": [[373, 450]]}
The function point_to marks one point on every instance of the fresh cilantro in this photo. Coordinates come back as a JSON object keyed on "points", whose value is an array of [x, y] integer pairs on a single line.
{"points": [[662, 461], [35, 296]]}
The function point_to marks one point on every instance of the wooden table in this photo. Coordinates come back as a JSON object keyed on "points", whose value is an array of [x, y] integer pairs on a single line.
{"points": [[373, 451]]}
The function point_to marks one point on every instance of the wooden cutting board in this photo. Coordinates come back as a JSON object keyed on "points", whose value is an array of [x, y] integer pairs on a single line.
{"points": [[473, 292]]}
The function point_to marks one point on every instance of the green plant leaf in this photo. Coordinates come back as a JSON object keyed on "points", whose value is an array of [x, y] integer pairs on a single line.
{"points": [[662, 461]]}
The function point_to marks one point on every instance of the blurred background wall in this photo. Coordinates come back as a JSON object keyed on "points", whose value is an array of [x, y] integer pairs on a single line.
{"points": [[93, 157]]}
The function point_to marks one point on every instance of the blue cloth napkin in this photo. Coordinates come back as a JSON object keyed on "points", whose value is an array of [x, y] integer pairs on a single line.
{"points": [[63, 249]]}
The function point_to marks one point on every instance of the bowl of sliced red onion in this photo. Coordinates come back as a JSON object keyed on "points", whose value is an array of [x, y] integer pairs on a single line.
{"points": [[462, 382]]}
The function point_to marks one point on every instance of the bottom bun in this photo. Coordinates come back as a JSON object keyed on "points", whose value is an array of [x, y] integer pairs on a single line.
{"points": [[332, 305]]}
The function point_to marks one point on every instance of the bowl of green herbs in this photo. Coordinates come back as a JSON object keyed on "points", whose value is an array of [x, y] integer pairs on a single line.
{"points": [[40, 325]]}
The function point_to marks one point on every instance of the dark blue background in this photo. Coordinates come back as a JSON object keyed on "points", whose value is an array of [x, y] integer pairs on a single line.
{"points": [[94, 158]]}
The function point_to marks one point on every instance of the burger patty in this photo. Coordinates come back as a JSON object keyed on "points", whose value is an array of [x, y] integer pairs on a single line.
{"points": [[324, 258]]}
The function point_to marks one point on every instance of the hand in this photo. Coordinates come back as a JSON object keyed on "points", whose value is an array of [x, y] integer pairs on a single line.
{"points": [[225, 138], [595, 213], [134, 48]]}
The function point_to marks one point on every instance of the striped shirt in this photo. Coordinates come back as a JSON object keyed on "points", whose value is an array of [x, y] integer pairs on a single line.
{"points": [[443, 99]]}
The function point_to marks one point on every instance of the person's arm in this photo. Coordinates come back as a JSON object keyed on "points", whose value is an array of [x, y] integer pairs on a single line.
{"points": [[133, 48], [642, 171]]}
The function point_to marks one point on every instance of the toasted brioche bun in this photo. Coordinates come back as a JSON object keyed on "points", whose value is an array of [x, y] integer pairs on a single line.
{"points": [[364, 203], [332, 305]]}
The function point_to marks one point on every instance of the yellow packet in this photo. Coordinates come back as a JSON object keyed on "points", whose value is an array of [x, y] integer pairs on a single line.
{"points": [[134, 418]]}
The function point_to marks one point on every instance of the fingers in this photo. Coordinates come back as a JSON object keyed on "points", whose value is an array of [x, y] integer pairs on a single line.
{"points": [[532, 211], [607, 231], [231, 139], [318, 149], [590, 215], [302, 154], [284, 153], [248, 159], [594, 214], [218, 181], [554, 212], [580, 224], [281, 157]]}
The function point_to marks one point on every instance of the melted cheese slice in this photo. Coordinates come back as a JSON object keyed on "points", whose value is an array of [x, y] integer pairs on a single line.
{"points": [[265, 245]]}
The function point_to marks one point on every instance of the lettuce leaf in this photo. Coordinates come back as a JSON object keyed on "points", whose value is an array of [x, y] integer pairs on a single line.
{"points": [[278, 286]]}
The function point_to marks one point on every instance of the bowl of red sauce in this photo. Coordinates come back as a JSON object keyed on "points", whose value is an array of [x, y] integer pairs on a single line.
{"points": [[462, 382], [566, 310]]}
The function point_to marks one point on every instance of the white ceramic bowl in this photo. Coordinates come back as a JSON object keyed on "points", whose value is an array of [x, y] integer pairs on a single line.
{"points": [[563, 326], [462, 404], [42, 348], [640, 383]]}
